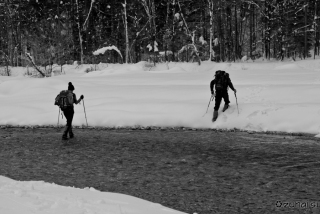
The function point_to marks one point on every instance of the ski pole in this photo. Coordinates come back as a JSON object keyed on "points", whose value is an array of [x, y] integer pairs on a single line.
{"points": [[236, 101], [85, 112], [211, 98], [58, 117]]}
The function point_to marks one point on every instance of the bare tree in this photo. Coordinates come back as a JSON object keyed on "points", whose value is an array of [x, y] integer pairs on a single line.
{"points": [[150, 10], [315, 26], [195, 52], [126, 29], [79, 30], [83, 28], [34, 64], [6, 59], [210, 3]]}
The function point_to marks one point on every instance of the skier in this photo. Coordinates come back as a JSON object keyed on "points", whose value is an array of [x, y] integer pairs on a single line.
{"points": [[69, 111], [221, 82]]}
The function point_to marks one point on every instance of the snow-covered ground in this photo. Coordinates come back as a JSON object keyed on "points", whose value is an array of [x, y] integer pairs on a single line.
{"points": [[37, 197], [271, 95]]}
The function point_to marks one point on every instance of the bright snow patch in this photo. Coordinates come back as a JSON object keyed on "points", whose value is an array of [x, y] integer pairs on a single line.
{"points": [[290, 66], [165, 53], [38, 197], [272, 96]]}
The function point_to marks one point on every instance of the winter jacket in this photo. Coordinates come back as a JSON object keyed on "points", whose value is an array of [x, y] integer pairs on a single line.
{"points": [[229, 84]]}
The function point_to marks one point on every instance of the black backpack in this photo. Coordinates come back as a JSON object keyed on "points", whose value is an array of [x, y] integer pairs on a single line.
{"points": [[64, 99], [221, 80]]}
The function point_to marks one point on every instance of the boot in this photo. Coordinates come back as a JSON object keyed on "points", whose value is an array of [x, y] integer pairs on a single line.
{"points": [[215, 116], [71, 135], [225, 107], [65, 133]]}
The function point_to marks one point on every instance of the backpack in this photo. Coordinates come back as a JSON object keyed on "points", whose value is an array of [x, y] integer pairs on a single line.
{"points": [[222, 80], [64, 99]]}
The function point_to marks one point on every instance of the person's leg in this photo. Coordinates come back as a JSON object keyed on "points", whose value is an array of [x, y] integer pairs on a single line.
{"points": [[218, 99], [69, 116], [70, 124], [226, 100], [66, 128]]}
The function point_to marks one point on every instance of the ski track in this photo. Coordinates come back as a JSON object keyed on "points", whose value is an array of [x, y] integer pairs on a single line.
{"points": [[255, 97]]}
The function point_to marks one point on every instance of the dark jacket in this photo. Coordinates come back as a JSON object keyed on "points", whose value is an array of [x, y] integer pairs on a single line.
{"points": [[74, 99], [229, 84]]}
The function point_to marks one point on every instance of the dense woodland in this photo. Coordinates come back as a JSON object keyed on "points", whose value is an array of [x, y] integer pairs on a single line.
{"points": [[61, 31]]}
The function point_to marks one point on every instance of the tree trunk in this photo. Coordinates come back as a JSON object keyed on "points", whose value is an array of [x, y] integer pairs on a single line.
{"points": [[230, 40], [305, 55], [79, 30], [173, 35], [250, 33], [236, 39], [126, 30], [267, 30], [34, 65], [153, 9], [210, 3], [315, 29], [221, 40], [167, 24]]}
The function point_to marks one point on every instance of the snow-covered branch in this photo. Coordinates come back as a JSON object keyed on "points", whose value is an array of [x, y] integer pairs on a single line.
{"points": [[154, 47], [108, 48]]}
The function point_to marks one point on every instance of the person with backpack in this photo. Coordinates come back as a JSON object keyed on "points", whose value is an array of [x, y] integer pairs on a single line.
{"points": [[221, 82], [65, 101]]}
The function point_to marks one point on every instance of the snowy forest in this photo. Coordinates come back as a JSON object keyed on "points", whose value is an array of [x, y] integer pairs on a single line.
{"points": [[63, 31]]}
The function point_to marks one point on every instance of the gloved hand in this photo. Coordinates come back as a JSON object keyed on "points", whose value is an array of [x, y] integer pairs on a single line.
{"points": [[235, 91], [81, 97], [212, 93]]}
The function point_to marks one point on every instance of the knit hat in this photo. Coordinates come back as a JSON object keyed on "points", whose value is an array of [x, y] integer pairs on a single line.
{"points": [[70, 86]]}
